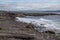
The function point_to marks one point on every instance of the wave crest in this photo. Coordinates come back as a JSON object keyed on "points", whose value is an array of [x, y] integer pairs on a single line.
{"points": [[41, 24]]}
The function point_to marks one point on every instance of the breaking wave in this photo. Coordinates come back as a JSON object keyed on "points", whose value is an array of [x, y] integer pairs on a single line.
{"points": [[41, 24]]}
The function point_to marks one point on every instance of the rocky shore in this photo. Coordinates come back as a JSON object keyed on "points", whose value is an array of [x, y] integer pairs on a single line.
{"points": [[22, 14], [14, 30]]}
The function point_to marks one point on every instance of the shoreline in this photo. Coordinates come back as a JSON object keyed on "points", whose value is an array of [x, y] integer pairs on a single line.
{"points": [[11, 29], [21, 30], [22, 14]]}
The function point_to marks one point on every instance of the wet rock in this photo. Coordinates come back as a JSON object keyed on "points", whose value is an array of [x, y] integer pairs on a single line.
{"points": [[50, 32], [30, 26]]}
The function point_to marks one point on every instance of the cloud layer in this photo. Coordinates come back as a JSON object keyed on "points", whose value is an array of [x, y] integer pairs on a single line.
{"points": [[28, 5]]}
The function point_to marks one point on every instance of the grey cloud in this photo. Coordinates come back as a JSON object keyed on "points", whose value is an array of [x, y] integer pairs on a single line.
{"points": [[23, 6]]}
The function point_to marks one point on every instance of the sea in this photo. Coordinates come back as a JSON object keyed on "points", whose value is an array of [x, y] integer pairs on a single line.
{"points": [[43, 23]]}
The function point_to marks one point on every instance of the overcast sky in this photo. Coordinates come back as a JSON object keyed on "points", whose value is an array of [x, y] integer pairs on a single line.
{"points": [[29, 4]]}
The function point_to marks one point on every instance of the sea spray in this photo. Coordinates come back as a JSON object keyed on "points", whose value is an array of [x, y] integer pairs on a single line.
{"points": [[41, 24]]}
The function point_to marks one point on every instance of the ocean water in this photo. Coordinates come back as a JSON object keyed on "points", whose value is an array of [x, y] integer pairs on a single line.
{"points": [[43, 23]]}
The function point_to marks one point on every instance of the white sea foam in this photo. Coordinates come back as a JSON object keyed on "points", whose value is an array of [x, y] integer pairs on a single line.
{"points": [[41, 24]]}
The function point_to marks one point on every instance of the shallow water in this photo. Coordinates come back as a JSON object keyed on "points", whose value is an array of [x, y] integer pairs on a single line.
{"points": [[43, 23]]}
